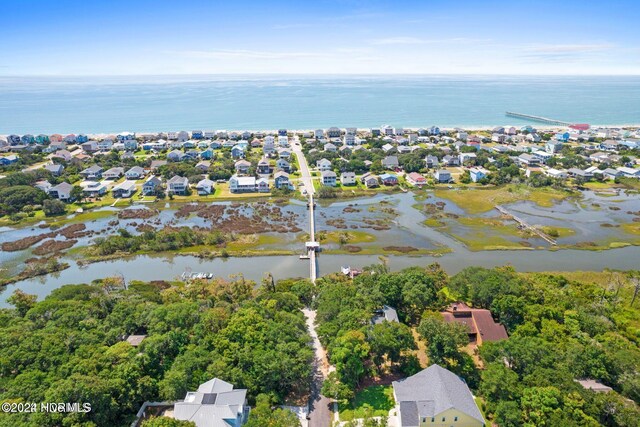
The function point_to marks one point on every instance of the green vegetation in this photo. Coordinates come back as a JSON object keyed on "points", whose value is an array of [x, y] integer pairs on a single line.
{"points": [[481, 200], [376, 401], [70, 347], [562, 328]]}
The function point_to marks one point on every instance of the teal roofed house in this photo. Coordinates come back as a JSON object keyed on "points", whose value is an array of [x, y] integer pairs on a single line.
{"points": [[42, 139]]}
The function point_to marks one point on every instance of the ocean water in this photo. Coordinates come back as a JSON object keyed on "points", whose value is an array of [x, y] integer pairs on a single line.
{"points": [[162, 103]]}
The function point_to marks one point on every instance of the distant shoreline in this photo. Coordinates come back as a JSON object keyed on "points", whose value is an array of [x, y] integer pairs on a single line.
{"points": [[360, 129]]}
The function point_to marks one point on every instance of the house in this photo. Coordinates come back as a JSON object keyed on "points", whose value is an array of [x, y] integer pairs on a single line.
{"points": [[242, 184], [269, 147], [262, 185], [206, 154], [610, 173], [284, 153], [104, 145], [281, 179], [215, 404], [242, 167], [90, 146], [55, 170], [553, 147], [203, 166], [175, 156], [63, 155], [284, 165], [323, 165], [348, 178], [432, 162], [155, 164], [151, 185], [113, 173], [450, 160], [182, 136], [442, 176], [71, 138], [467, 158], [127, 155], [479, 323], [435, 396], [92, 172], [528, 160], [390, 162], [237, 152], [263, 167], [329, 178], [562, 136], [61, 191], [415, 179], [369, 180], [594, 385], [204, 187], [478, 173], [629, 172], [333, 132], [135, 172], [178, 185], [56, 137], [43, 185], [385, 314], [124, 189], [389, 179], [197, 134], [555, 173], [330, 147]]}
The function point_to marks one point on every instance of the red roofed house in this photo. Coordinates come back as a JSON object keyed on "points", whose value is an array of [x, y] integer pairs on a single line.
{"points": [[479, 322], [414, 178]]}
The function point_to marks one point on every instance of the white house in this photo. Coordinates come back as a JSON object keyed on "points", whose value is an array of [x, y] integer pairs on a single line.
{"points": [[329, 178], [348, 178], [204, 187]]}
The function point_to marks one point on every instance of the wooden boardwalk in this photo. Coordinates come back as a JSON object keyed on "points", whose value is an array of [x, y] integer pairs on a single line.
{"points": [[526, 225]]}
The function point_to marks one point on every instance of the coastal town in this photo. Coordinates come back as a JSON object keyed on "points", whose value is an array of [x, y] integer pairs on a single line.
{"points": [[418, 349], [221, 164]]}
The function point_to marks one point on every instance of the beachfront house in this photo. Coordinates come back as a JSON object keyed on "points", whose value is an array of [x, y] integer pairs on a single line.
{"points": [[442, 176], [348, 178], [204, 187], [151, 185], [61, 191], [178, 185], [333, 132], [124, 189], [329, 178], [281, 180], [435, 396], [214, 404]]}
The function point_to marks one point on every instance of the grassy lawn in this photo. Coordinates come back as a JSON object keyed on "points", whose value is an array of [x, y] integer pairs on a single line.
{"points": [[378, 398], [483, 200]]}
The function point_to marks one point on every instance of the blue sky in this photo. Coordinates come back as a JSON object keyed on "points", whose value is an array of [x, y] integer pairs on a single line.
{"points": [[116, 37]]}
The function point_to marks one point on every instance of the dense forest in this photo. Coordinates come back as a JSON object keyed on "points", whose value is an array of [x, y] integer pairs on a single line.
{"points": [[560, 331], [71, 347]]}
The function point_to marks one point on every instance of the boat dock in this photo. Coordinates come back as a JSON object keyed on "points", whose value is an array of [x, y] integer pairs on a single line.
{"points": [[526, 225], [537, 118]]}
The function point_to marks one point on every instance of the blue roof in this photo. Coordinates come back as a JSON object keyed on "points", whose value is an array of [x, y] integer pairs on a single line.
{"points": [[387, 176]]}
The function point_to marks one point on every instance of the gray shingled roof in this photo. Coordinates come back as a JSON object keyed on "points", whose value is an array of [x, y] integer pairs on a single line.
{"points": [[430, 392]]}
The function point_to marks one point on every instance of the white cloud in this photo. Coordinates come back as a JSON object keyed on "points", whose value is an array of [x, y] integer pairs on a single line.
{"points": [[408, 40], [247, 54]]}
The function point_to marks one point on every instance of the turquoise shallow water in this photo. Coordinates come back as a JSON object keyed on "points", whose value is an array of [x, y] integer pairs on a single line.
{"points": [[161, 103]]}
